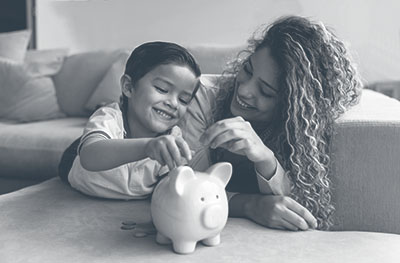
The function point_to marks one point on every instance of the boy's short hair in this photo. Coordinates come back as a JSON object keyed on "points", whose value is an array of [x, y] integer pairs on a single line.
{"points": [[147, 56]]}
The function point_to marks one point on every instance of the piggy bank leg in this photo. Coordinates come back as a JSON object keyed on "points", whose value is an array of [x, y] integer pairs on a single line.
{"points": [[184, 247], [212, 241], [162, 240]]}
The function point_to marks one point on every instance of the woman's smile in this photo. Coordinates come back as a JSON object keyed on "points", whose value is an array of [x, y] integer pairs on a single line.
{"points": [[243, 104]]}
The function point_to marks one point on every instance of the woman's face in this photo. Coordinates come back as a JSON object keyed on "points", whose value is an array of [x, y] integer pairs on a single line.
{"points": [[255, 96]]}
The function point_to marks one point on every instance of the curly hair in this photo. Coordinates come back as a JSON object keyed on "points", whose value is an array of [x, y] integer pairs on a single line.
{"points": [[318, 81]]}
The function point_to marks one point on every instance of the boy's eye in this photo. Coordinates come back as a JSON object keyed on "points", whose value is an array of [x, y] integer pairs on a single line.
{"points": [[184, 101], [160, 89]]}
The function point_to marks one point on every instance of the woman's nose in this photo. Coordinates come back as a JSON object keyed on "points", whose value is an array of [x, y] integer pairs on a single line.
{"points": [[247, 89]]}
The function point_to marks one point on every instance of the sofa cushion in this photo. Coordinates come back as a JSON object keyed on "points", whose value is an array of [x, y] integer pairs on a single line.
{"points": [[78, 78], [51, 222], [13, 45], [109, 88], [26, 95], [365, 165], [33, 150]]}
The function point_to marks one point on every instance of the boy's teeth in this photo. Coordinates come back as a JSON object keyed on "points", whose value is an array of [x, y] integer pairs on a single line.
{"points": [[165, 115]]}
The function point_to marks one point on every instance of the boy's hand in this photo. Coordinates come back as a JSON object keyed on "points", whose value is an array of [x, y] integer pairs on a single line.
{"points": [[171, 150]]}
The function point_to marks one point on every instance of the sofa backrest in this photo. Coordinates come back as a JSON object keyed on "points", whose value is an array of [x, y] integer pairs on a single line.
{"points": [[82, 73], [213, 59]]}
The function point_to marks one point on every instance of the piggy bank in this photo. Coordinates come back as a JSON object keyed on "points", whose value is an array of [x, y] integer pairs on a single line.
{"points": [[189, 206]]}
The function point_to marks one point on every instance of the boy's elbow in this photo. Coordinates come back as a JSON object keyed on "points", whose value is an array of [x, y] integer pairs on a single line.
{"points": [[87, 161], [88, 164]]}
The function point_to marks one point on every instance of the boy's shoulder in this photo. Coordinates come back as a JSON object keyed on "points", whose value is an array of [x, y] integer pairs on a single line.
{"points": [[107, 119], [110, 112], [108, 109]]}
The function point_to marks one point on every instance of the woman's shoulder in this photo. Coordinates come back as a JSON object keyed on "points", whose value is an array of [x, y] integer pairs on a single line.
{"points": [[205, 98], [208, 89]]}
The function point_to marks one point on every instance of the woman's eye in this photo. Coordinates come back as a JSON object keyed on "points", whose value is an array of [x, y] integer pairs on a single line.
{"points": [[160, 89], [265, 94], [247, 68]]}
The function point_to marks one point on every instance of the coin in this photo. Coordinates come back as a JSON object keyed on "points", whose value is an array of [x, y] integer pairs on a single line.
{"points": [[139, 234], [128, 227], [128, 223]]}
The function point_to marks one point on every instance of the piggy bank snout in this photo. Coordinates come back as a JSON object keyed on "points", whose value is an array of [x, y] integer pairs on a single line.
{"points": [[213, 216]]}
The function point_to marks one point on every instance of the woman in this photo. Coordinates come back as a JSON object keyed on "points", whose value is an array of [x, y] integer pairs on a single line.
{"points": [[274, 109]]}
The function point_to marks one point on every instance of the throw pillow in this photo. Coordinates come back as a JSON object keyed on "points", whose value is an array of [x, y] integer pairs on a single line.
{"points": [[46, 62], [24, 96], [79, 77], [13, 45], [109, 88]]}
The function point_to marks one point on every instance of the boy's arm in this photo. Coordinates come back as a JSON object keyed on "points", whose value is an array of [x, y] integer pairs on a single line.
{"points": [[98, 153]]}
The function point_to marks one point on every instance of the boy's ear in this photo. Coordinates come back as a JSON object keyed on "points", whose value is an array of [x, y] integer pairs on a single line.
{"points": [[126, 85]]}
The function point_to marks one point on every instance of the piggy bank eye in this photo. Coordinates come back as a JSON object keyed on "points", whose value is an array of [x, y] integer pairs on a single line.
{"points": [[217, 196], [202, 199]]}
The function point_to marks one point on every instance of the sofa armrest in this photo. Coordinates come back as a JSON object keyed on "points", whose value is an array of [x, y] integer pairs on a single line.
{"points": [[366, 166]]}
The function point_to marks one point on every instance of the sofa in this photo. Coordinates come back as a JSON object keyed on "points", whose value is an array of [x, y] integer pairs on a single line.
{"points": [[34, 136], [365, 168]]}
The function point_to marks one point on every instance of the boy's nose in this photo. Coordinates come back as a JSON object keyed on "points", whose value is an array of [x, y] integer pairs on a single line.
{"points": [[172, 103]]}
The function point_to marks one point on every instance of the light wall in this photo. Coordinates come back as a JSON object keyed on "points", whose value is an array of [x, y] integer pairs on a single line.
{"points": [[371, 27]]}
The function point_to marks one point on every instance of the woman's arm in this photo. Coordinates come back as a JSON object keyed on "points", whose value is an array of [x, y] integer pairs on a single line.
{"points": [[277, 184], [237, 135], [275, 211]]}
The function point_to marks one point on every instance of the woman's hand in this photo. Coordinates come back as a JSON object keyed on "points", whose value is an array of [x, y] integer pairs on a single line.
{"points": [[280, 212], [171, 150], [236, 135]]}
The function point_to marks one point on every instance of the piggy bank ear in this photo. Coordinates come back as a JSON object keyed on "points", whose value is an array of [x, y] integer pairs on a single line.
{"points": [[221, 170], [179, 177]]}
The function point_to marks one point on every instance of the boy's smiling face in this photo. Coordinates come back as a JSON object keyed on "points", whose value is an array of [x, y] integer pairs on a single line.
{"points": [[159, 99]]}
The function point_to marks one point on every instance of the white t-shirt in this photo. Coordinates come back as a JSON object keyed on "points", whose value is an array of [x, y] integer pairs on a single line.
{"points": [[134, 180]]}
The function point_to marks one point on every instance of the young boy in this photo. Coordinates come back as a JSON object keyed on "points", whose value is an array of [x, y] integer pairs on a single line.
{"points": [[125, 147]]}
